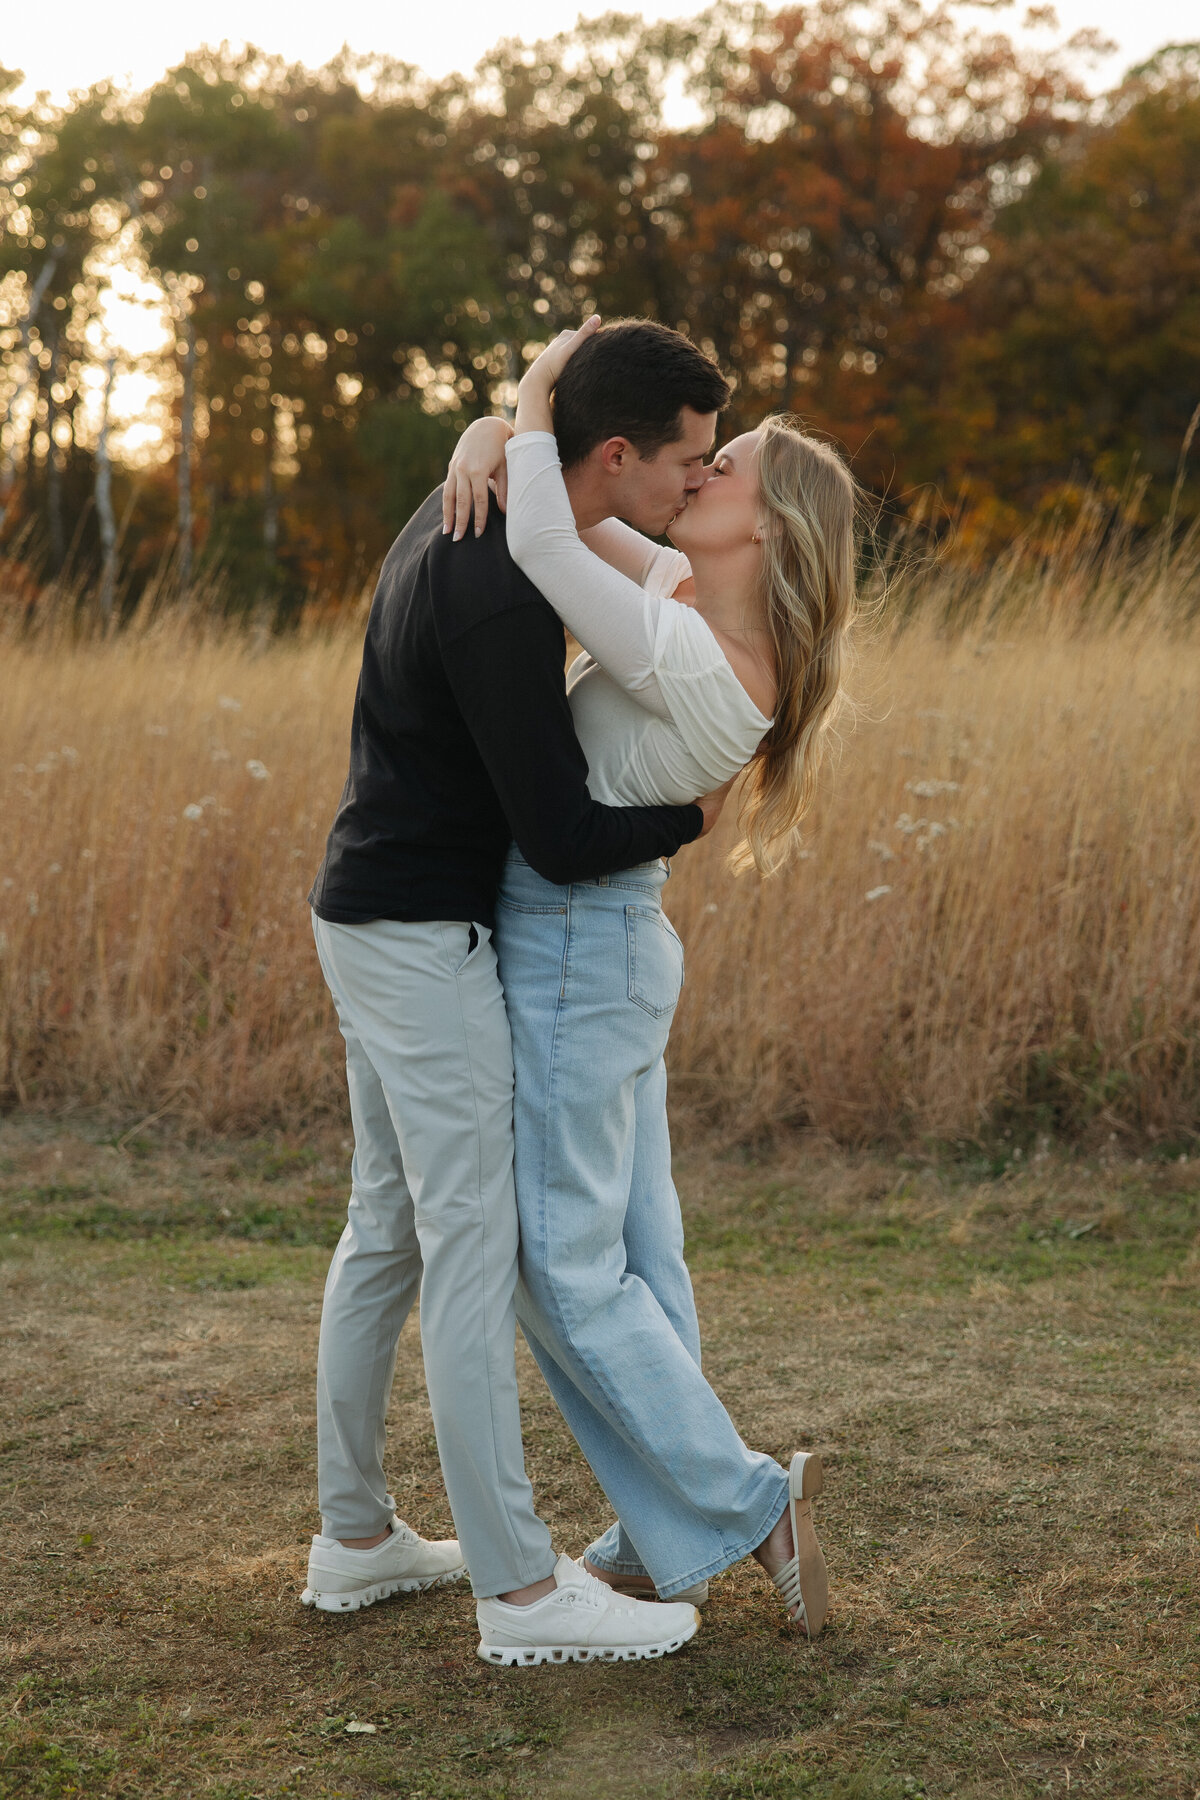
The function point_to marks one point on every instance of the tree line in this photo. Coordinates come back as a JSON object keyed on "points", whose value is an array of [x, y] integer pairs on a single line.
{"points": [[930, 243]]}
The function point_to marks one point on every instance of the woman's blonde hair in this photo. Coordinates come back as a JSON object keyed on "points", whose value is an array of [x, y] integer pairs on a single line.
{"points": [[809, 501]]}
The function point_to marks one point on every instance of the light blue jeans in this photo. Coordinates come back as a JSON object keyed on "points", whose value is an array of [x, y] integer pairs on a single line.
{"points": [[591, 976]]}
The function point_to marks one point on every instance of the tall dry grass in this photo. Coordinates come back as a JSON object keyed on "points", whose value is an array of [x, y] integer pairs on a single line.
{"points": [[996, 920]]}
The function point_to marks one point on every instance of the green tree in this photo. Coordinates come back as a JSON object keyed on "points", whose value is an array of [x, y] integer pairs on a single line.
{"points": [[69, 191]]}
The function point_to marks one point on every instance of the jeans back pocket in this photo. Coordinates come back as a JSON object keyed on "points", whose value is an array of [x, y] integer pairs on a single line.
{"points": [[655, 960]]}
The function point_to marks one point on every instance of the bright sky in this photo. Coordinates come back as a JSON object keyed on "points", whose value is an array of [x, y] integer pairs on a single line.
{"points": [[140, 38]]}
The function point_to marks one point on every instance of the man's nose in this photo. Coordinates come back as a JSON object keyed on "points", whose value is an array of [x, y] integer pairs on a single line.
{"points": [[695, 479]]}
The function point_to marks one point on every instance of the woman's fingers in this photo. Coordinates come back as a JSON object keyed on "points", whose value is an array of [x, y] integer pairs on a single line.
{"points": [[462, 503], [499, 486], [559, 351], [481, 495], [478, 458], [471, 495], [567, 343]]}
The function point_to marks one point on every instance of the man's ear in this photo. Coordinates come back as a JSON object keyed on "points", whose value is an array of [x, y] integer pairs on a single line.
{"points": [[615, 453]]}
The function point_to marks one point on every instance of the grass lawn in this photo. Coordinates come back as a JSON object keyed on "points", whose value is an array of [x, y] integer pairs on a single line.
{"points": [[998, 1363]]}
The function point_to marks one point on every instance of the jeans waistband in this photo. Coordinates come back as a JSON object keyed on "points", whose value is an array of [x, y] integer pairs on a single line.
{"points": [[649, 876]]}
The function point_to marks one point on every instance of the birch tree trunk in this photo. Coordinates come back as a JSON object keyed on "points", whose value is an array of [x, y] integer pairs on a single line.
{"points": [[104, 506], [270, 492], [8, 476], [187, 431], [54, 499]]}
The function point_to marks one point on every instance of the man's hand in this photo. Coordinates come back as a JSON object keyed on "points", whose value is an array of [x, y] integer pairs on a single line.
{"points": [[477, 468], [710, 805]]}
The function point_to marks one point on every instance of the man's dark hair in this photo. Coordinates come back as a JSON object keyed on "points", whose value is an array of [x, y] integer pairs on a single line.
{"points": [[633, 380]]}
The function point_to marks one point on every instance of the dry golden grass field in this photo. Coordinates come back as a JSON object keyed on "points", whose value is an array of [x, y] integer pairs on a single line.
{"points": [[999, 1365], [937, 1099], [994, 926]]}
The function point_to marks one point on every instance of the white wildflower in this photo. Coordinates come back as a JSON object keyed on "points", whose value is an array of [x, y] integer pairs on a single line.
{"points": [[193, 811], [712, 907], [54, 869], [881, 850], [33, 906], [877, 893], [929, 790], [157, 731], [259, 770], [69, 754], [227, 703]]}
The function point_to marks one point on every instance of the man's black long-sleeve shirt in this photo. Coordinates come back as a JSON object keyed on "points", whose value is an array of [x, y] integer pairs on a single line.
{"points": [[462, 742]]}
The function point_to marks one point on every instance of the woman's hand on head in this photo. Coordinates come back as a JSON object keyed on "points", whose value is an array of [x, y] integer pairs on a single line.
{"points": [[549, 365], [477, 470], [533, 393]]}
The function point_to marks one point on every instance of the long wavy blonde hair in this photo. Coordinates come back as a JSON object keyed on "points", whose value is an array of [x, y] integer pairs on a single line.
{"points": [[809, 503]]}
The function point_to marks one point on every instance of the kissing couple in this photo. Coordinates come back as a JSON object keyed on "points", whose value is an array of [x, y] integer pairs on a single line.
{"points": [[488, 919]]}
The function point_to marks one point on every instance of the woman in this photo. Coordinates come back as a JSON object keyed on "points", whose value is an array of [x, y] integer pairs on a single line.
{"points": [[723, 653]]}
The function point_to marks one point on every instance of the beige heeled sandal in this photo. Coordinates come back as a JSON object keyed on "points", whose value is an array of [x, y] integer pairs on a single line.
{"points": [[804, 1582], [646, 1590]]}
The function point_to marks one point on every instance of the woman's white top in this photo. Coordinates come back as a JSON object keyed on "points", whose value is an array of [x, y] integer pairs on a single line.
{"points": [[660, 714]]}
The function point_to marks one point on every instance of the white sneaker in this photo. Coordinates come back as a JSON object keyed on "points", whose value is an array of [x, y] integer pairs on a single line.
{"points": [[581, 1621], [342, 1580]]}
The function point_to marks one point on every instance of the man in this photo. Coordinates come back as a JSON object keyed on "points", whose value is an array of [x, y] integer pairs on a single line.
{"points": [[461, 742]]}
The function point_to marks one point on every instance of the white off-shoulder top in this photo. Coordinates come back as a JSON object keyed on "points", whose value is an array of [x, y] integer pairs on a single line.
{"points": [[659, 711]]}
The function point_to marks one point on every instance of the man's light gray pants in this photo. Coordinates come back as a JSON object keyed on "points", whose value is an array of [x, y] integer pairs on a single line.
{"points": [[432, 1207]]}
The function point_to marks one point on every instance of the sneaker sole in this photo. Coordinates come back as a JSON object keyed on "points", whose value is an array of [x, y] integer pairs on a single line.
{"points": [[531, 1656], [381, 1590]]}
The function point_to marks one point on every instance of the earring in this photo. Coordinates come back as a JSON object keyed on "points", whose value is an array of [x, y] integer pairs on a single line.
{"points": [[755, 538]]}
